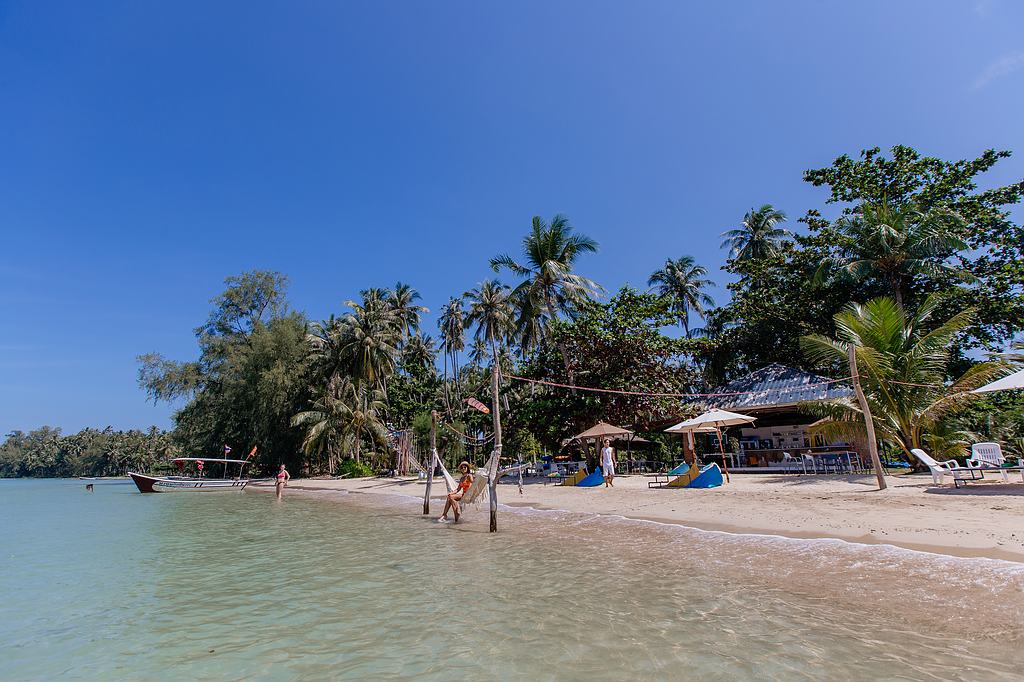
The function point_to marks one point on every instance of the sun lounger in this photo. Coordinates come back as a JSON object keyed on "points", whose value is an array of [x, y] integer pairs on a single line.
{"points": [[988, 456], [950, 468]]}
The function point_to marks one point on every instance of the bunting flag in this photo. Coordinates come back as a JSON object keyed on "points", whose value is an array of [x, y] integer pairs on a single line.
{"points": [[476, 404]]}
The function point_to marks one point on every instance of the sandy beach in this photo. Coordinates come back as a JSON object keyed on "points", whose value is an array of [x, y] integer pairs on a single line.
{"points": [[977, 520]]}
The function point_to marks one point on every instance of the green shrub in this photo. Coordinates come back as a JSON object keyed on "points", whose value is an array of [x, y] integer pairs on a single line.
{"points": [[352, 469]]}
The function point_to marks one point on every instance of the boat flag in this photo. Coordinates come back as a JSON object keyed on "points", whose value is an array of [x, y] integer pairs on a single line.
{"points": [[476, 404], [252, 452], [227, 449]]}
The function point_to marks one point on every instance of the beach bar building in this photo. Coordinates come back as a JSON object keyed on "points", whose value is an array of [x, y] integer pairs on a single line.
{"points": [[774, 395]]}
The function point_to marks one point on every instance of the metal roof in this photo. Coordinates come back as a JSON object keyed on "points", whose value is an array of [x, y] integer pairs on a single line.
{"points": [[777, 385]]}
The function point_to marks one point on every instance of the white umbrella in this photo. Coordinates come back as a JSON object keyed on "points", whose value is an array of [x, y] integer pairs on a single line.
{"points": [[713, 420], [1015, 380]]}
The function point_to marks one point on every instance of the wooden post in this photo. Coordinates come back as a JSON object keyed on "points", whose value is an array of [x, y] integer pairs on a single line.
{"points": [[433, 461], [869, 423], [721, 448], [496, 414]]}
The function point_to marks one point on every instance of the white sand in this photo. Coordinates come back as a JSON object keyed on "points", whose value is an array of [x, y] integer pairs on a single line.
{"points": [[978, 520]]}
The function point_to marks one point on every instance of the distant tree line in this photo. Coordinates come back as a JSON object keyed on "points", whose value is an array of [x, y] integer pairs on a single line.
{"points": [[46, 453]]}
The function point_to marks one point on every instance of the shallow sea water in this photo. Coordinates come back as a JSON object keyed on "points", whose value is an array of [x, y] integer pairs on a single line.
{"points": [[118, 585]]}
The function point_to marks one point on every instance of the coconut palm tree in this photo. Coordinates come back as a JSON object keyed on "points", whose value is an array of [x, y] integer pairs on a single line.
{"points": [[894, 244], [682, 282], [490, 310], [902, 363], [549, 286], [419, 351], [324, 425], [403, 304], [362, 414], [370, 335], [759, 236]]}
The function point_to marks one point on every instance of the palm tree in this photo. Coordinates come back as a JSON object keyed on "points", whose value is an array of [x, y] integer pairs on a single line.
{"points": [[759, 236], [895, 244], [549, 285], [403, 304], [451, 324], [324, 425], [370, 336], [419, 351], [682, 282], [902, 366], [490, 310], [362, 414]]}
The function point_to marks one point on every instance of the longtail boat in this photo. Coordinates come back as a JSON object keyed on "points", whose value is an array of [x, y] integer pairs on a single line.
{"points": [[167, 484]]}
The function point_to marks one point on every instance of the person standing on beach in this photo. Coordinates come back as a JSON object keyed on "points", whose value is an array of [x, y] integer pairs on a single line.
{"points": [[282, 480], [608, 463]]}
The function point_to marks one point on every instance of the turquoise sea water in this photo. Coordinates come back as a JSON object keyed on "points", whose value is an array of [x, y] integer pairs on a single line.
{"points": [[118, 585]]}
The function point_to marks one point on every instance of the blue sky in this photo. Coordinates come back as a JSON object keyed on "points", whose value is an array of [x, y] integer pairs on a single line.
{"points": [[148, 150]]}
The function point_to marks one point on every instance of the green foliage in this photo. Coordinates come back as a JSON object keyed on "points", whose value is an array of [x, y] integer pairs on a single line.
{"points": [[616, 345], [350, 468], [902, 363], [682, 282], [995, 254]]}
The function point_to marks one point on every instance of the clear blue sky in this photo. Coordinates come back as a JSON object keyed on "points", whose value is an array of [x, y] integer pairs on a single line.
{"points": [[148, 150]]}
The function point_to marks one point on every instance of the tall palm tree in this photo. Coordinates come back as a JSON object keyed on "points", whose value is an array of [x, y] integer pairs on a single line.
{"points": [[682, 282], [490, 310], [902, 364], [370, 335], [549, 285], [759, 236], [403, 304], [452, 327], [896, 243]]}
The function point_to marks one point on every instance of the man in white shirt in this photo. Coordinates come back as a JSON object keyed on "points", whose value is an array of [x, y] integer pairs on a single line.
{"points": [[608, 463]]}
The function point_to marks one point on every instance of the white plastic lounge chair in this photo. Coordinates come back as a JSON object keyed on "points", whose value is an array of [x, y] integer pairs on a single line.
{"points": [[948, 468], [988, 456]]}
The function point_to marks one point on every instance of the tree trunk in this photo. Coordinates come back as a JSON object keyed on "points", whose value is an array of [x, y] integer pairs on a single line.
{"points": [[561, 346], [433, 461], [496, 415], [869, 422]]}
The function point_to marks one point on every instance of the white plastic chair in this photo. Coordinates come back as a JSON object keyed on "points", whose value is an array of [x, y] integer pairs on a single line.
{"points": [[950, 468], [988, 456]]}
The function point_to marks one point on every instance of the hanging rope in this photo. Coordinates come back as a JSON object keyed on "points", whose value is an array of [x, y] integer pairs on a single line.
{"points": [[673, 395], [468, 439]]}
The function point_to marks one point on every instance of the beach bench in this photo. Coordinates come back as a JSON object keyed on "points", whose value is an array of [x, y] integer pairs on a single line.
{"points": [[988, 456], [949, 468]]}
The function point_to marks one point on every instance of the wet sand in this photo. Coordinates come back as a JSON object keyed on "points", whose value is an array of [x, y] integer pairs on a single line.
{"points": [[978, 520]]}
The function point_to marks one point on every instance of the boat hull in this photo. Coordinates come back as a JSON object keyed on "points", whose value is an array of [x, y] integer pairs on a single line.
{"points": [[165, 484]]}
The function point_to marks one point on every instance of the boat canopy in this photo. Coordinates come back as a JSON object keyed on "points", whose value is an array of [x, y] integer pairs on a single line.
{"points": [[208, 459]]}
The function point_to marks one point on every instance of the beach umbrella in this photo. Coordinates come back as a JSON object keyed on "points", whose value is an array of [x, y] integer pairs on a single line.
{"points": [[602, 430], [712, 420], [1014, 381]]}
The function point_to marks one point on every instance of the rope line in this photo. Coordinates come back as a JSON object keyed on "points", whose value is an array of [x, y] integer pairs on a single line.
{"points": [[672, 395]]}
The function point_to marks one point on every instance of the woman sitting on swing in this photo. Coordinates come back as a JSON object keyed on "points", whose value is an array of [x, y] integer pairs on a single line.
{"points": [[452, 502]]}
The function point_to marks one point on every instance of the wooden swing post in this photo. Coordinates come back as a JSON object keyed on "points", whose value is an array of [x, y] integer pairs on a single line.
{"points": [[433, 461], [493, 475]]}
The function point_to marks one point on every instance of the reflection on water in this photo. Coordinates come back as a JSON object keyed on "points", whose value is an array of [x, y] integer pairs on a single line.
{"points": [[235, 586]]}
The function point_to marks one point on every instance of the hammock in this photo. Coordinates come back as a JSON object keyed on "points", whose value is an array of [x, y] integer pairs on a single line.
{"points": [[482, 478], [449, 482]]}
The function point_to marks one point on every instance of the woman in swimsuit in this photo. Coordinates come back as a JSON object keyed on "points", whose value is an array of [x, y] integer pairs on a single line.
{"points": [[454, 496], [282, 479]]}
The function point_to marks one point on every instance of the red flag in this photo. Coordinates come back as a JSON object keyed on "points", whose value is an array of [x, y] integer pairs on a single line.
{"points": [[252, 452], [474, 403]]}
